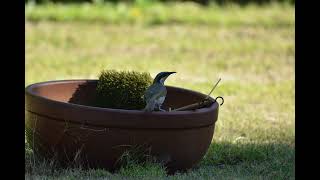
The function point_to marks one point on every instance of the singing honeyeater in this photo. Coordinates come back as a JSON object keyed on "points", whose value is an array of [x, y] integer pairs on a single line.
{"points": [[155, 95]]}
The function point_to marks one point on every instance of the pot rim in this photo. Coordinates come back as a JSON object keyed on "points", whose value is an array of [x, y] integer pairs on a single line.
{"points": [[108, 117], [28, 90]]}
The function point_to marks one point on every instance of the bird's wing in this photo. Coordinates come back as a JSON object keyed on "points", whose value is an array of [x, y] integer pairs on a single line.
{"points": [[155, 91]]}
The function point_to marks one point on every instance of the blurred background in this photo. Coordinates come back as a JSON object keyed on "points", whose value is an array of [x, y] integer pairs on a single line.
{"points": [[249, 44]]}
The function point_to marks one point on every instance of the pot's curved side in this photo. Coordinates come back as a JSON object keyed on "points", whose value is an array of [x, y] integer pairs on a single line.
{"points": [[79, 133], [179, 149]]}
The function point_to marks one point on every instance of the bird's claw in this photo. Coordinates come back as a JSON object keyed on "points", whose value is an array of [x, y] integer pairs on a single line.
{"points": [[159, 109]]}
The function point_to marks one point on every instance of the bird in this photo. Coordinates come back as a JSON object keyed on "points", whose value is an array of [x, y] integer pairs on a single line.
{"points": [[156, 93]]}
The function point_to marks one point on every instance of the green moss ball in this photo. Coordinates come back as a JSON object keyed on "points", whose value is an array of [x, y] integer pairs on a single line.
{"points": [[122, 89]]}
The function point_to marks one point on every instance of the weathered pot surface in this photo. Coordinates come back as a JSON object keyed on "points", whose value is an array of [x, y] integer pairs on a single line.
{"points": [[61, 122]]}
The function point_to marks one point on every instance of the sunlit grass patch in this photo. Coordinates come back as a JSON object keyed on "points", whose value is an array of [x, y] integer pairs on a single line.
{"points": [[169, 13]]}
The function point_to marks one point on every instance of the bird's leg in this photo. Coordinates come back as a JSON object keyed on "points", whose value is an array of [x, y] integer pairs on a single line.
{"points": [[160, 109]]}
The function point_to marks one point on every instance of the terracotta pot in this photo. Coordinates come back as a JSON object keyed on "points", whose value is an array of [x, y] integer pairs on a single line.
{"points": [[61, 121]]}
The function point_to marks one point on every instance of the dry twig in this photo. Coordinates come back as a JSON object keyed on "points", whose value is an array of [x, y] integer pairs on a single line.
{"points": [[200, 104]]}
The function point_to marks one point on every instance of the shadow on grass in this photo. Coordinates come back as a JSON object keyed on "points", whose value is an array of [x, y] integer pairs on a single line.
{"points": [[227, 153], [223, 159], [246, 160]]}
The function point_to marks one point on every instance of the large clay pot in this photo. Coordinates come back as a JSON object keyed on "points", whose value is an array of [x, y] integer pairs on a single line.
{"points": [[61, 121]]}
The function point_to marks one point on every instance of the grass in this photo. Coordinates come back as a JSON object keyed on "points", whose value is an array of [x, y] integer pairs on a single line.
{"points": [[157, 13], [251, 48]]}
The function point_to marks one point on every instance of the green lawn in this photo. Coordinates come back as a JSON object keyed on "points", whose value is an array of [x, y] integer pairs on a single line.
{"points": [[251, 48]]}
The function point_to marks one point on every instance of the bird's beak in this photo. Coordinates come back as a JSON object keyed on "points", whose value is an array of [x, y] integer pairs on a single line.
{"points": [[172, 72]]}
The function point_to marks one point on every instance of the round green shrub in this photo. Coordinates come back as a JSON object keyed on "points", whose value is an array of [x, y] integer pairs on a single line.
{"points": [[122, 89]]}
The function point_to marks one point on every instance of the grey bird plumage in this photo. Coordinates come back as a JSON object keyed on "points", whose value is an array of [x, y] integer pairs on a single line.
{"points": [[155, 95]]}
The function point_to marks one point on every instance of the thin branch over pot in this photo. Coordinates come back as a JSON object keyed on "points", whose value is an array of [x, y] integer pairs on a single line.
{"points": [[205, 102]]}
